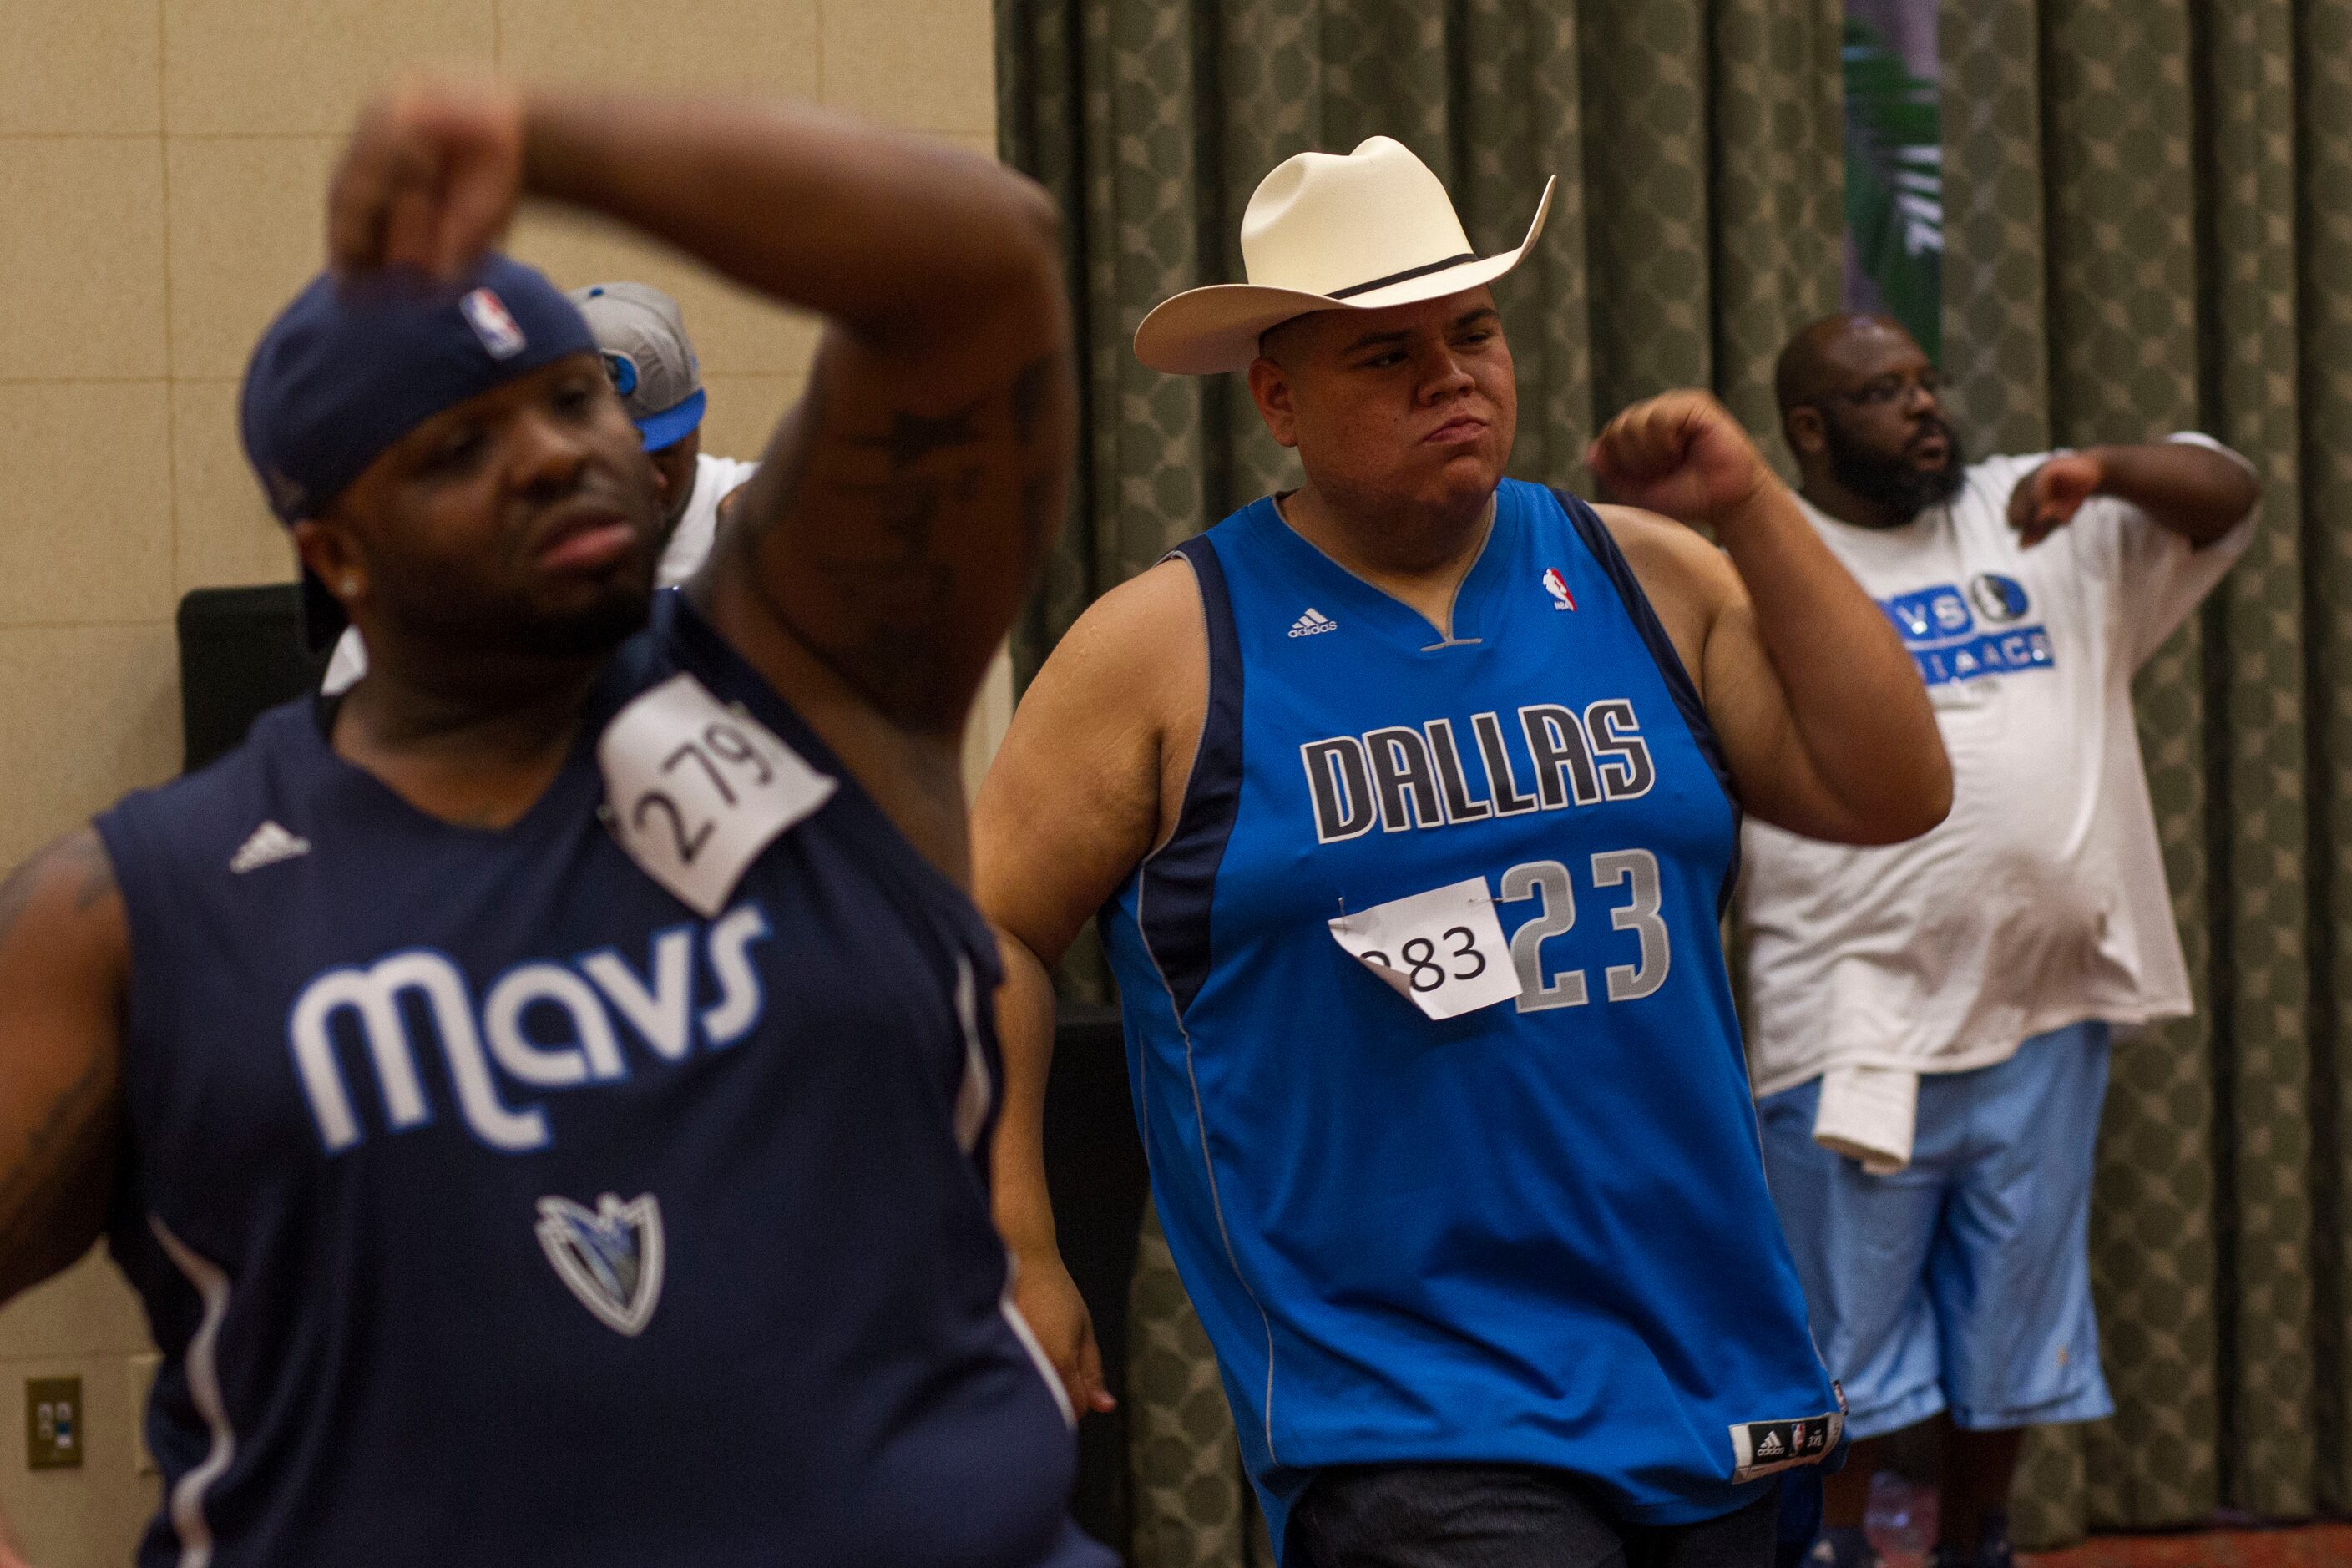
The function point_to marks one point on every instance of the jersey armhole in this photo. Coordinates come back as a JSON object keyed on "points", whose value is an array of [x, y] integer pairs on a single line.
{"points": [[132, 853], [1177, 882], [1663, 653]]}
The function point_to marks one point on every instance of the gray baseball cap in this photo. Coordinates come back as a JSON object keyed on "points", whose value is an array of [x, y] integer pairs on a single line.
{"points": [[649, 357]]}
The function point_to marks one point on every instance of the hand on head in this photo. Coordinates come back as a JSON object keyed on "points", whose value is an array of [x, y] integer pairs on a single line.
{"points": [[1681, 454], [429, 179]]}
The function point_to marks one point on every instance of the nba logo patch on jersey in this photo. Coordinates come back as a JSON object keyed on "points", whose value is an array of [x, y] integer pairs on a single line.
{"points": [[1557, 586], [611, 1260], [493, 322]]}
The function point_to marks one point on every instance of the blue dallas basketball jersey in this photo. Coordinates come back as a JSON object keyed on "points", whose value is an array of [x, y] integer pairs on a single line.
{"points": [[1537, 1231], [491, 1207]]}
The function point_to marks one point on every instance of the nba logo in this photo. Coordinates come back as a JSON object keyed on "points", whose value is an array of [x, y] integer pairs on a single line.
{"points": [[1557, 586], [487, 314]]}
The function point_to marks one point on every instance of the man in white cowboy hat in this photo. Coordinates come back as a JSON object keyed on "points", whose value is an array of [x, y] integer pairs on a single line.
{"points": [[1410, 798]]}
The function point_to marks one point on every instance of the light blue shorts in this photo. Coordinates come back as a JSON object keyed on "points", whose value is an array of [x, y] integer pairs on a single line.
{"points": [[1963, 1282]]}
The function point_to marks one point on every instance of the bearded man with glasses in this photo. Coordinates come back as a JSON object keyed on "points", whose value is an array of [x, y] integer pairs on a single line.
{"points": [[1928, 1021]]}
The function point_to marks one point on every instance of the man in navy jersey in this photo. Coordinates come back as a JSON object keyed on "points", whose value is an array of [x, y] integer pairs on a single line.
{"points": [[641, 336], [1408, 799], [538, 1095]]}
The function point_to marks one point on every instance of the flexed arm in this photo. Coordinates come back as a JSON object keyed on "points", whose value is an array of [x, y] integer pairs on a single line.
{"points": [[2191, 489], [899, 516], [1823, 721], [876, 562]]}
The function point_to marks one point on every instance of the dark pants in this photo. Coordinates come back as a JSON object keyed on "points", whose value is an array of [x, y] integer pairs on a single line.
{"points": [[1504, 1516]]}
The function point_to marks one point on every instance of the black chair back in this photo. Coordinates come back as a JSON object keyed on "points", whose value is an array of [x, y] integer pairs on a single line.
{"points": [[241, 653], [1094, 1162]]}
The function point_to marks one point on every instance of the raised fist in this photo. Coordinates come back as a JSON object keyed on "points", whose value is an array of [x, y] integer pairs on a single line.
{"points": [[2046, 499], [1682, 453], [429, 179]]}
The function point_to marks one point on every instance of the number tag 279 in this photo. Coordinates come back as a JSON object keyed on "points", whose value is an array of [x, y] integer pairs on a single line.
{"points": [[695, 790], [1442, 950]]}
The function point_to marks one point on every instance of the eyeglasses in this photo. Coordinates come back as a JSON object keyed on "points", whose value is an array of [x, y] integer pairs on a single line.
{"points": [[1887, 388]]}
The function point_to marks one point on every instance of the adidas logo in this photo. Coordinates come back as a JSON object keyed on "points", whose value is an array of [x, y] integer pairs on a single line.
{"points": [[270, 845], [1313, 622], [1771, 1448]]}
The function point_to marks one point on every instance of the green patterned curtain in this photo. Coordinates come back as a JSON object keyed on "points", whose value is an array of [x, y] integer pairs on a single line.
{"points": [[2149, 222], [1699, 149], [2148, 218]]}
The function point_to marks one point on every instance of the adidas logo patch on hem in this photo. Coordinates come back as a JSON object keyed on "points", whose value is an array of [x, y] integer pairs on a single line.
{"points": [[268, 845], [1760, 1447], [1313, 622]]}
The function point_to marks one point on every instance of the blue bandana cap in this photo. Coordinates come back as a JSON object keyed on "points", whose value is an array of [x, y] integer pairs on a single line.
{"points": [[353, 364]]}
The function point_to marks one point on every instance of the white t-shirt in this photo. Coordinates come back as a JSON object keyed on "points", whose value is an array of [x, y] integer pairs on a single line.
{"points": [[2040, 900], [715, 479]]}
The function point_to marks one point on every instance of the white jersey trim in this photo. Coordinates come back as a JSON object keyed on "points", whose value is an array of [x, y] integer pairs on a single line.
{"points": [[1200, 1114], [977, 1093], [1208, 1161], [1028, 1338], [187, 1500]]}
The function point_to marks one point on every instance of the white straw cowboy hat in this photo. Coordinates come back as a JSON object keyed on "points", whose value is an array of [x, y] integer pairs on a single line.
{"points": [[1364, 232]]}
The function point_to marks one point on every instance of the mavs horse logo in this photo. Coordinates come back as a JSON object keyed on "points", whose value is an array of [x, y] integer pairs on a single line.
{"points": [[1998, 599], [612, 1259]]}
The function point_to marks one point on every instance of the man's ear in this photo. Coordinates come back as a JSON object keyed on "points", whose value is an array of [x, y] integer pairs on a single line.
{"points": [[1806, 435], [329, 550], [1269, 384]]}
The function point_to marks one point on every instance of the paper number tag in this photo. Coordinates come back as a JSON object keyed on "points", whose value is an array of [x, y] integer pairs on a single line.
{"points": [[694, 790], [1442, 950]]}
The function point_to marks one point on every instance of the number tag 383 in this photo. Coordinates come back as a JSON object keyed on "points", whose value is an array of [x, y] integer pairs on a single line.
{"points": [[1442, 950], [695, 790]]}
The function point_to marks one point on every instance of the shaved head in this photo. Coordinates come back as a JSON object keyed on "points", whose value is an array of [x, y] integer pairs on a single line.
{"points": [[1819, 361], [1861, 405]]}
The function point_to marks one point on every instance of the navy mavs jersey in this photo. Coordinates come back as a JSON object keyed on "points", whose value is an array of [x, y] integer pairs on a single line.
{"points": [[491, 1206], [1537, 1231]]}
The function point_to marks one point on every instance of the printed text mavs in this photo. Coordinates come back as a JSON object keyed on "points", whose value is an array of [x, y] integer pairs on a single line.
{"points": [[573, 1004]]}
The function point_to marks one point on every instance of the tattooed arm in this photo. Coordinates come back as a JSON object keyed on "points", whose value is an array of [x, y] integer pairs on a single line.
{"points": [[876, 562], [65, 957]]}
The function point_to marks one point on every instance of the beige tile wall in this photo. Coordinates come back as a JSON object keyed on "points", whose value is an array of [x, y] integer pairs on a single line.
{"points": [[162, 163]]}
